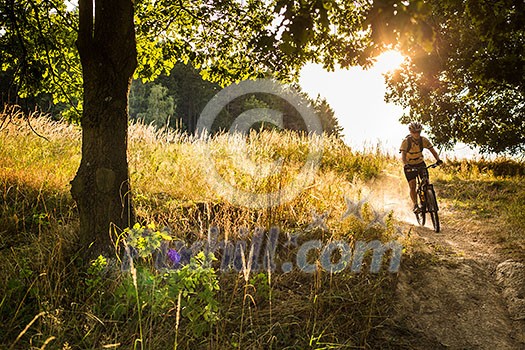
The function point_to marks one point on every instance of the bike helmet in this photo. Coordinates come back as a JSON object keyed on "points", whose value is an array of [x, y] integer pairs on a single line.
{"points": [[415, 126]]}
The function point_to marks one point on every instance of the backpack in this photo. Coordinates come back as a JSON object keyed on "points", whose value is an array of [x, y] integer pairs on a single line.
{"points": [[409, 143]]}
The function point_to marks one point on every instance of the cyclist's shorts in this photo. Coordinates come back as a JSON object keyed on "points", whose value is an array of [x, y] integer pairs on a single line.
{"points": [[411, 174]]}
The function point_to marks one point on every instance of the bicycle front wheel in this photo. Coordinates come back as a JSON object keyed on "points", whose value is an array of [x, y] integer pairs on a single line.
{"points": [[420, 216], [435, 220], [433, 208], [421, 213]]}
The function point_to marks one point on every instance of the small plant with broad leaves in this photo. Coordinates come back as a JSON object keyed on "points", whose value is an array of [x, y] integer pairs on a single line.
{"points": [[95, 273], [146, 240], [185, 291]]}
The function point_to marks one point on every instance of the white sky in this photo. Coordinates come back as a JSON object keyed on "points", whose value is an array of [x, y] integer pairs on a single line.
{"points": [[357, 97]]}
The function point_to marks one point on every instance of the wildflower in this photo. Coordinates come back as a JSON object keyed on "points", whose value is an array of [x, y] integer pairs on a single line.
{"points": [[174, 256]]}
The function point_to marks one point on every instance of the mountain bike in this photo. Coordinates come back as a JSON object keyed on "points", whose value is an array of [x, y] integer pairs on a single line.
{"points": [[426, 197]]}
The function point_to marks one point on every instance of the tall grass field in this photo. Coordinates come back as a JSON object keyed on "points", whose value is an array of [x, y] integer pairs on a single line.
{"points": [[51, 299]]}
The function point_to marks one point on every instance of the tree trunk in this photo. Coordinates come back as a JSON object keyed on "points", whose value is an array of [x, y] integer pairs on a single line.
{"points": [[107, 48]]}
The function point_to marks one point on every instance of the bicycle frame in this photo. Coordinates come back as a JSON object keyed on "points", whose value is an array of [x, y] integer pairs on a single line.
{"points": [[427, 197]]}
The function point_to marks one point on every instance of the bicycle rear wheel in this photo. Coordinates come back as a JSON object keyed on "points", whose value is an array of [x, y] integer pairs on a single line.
{"points": [[433, 208]]}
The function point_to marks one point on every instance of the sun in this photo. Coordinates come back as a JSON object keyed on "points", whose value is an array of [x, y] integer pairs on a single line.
{"points": [[388, 61]]}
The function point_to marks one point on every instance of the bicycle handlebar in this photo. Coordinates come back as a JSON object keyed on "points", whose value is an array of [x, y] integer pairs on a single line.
{"points": [[435, 165]]}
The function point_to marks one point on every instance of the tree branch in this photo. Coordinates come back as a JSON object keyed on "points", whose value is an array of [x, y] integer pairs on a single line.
{"points": [[48, 57]]}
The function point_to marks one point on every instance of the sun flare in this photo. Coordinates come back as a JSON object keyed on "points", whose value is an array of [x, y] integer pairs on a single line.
{"points": [[389, 61]]}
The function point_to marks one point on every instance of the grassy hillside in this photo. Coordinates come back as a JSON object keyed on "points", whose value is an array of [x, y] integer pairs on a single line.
{"points": [[488, 194], [50, 298]]}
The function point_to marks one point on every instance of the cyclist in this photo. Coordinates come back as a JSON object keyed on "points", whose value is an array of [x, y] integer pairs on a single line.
{"points": [[412, 156]]}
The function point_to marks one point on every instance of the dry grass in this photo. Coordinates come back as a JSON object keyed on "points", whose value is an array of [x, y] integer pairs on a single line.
{"points": [[44, 276], [258, 310], [488, 195]]}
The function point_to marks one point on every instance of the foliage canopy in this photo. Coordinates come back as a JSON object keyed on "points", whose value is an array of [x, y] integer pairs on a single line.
{"points": [[468, 81], [464, 77]]}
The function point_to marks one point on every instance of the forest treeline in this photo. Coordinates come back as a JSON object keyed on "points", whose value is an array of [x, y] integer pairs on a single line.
{"points": [[177, 100]]}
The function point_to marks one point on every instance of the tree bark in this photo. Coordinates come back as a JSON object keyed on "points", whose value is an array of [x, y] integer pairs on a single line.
{"points": [[101, 189]]}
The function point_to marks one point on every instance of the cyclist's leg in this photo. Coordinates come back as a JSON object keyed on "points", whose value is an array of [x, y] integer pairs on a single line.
{"points": [[423, 171], [413, 195], [411, 179]]}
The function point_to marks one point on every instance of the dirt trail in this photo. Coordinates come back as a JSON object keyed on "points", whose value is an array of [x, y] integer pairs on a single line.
{"points": [[448, 294]]}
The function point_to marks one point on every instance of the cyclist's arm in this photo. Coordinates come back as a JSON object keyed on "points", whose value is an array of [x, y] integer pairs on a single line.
{"points": [[404, 157], [434, 153]]}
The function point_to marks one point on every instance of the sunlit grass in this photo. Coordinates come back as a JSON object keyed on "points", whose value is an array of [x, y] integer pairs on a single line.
{"points": [[171, 183], [46, 277], [171, 187], [492, 193]]}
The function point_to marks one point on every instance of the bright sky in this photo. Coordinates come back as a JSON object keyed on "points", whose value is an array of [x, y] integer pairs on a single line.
{"points": [[357, 97]]}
